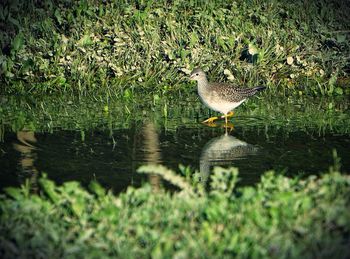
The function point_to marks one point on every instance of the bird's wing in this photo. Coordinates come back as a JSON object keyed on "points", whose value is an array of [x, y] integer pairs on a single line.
{"points": [[231, 93]]}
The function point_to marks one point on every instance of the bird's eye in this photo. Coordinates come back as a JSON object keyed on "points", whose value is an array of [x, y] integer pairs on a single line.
{"points": [[197, 74]]}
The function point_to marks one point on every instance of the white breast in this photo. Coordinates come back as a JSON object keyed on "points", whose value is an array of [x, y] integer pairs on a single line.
{"points": [[213, 101]]}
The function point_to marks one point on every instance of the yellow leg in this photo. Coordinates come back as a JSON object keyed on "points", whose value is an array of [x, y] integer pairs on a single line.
{"points": [[210, 120], [229, 115], [213, 125], [229, 126]]}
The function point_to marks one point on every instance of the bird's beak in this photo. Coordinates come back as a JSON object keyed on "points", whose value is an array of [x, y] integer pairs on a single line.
{"points": [[192, 77]]}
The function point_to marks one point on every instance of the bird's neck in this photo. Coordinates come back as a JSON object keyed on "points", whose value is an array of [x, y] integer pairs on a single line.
{"points": [[203, 84]]}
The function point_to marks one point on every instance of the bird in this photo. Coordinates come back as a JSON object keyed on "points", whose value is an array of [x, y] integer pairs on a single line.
{"points": [[221, 97]]}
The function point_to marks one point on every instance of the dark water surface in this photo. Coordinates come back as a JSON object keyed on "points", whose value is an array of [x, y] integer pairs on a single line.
{"points": [[112, 156]]}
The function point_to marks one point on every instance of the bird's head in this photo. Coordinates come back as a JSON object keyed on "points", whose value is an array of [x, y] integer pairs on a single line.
{"points": [[197, 74]]}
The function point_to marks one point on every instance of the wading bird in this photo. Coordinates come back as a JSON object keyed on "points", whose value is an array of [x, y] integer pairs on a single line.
{"points": [[221, 97]]}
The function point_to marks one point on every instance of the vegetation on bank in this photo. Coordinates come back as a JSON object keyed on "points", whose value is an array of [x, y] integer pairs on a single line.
{"points": [[313, 115], [122, 47], [279, 218]]}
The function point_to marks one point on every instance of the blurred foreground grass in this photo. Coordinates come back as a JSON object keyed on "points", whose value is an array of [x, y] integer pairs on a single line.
{"points": [[279, 218]]}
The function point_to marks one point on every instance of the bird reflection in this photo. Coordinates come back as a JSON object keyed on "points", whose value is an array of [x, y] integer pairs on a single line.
{"points": [[223, 150], [25, 147]]}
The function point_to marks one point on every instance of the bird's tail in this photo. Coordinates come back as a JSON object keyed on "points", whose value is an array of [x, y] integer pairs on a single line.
{"points": [[247, 92], [259, 88]]}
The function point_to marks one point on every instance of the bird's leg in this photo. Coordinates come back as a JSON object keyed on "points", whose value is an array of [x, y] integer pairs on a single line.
{"points": [[225, 116], [230, 114], [229, 126], [210, 120], [213, 125]]}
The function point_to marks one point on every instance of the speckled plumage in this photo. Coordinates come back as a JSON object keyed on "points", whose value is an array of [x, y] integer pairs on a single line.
{"points": [[232, 93], [221, 97]]}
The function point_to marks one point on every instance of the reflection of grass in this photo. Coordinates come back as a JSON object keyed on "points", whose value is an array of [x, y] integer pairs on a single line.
{"points": [[279, 218], [327, 115], [119, 48]]}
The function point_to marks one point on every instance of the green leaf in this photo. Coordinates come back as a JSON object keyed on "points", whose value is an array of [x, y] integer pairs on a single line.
{"points": [[78, 207], [194, 39], [50, 189], [3, 64], [330, 106], [97, 189], [14, 192], [18, 42], [14, 21], [58, 16], [339, 90], [27, 65], [127, 94], [341, 38], [85, 40], [222, 44]]}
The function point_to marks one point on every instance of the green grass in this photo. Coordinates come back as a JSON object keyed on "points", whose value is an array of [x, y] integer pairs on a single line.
{"points": [[279, 218], [144, 46], [313, 115]]}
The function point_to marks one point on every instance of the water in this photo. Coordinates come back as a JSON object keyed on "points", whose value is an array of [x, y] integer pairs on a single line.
{"points": [[112, 156]]}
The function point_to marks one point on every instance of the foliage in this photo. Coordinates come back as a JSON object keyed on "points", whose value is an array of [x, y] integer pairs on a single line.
{"points": [[312, 115], [279, 218], [122, 47]]}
